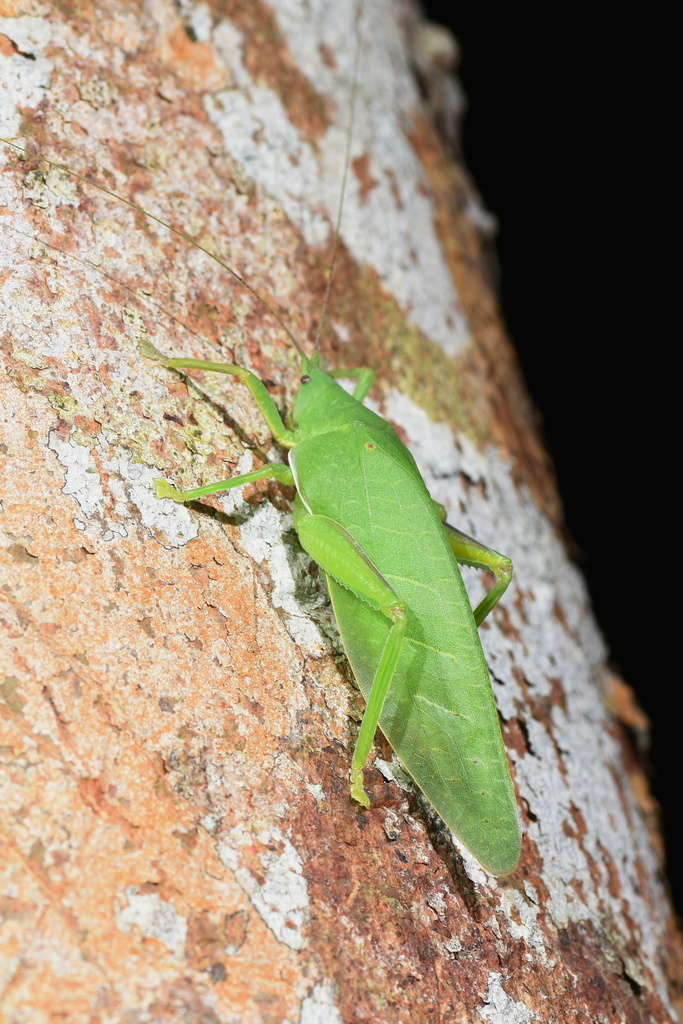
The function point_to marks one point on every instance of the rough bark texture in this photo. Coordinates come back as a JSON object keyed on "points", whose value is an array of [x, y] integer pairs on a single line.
{"points": [[177, 717]]}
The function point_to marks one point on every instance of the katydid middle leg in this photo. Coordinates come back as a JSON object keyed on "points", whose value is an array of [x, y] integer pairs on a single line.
{"points": [[273, 471]]}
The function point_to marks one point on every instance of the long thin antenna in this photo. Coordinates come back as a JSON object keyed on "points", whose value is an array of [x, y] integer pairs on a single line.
{"points": [[347, 162], [177, 231]]}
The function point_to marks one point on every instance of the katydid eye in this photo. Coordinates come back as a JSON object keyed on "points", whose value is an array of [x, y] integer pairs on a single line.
{"points": [[305, 379]]}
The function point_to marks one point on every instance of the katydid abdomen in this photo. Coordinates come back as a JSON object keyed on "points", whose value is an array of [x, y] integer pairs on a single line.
{"points": [[439, 714]]}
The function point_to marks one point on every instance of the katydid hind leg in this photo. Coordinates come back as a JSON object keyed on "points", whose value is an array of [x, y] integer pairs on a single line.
{"points": [[469, 551], [342, 558]]}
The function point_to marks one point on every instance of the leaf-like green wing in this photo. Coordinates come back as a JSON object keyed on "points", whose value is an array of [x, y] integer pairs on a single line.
{"points": [[440, 715]]}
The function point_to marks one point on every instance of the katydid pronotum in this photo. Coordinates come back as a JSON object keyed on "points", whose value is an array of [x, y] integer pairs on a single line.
{"points": [[363, 513]]}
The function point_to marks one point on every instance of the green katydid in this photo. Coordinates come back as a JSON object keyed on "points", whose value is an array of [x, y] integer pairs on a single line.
{"points": [[363, 513]]}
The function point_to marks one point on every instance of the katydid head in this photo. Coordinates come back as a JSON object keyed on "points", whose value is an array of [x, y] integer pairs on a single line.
{"points": [[320, 403]]}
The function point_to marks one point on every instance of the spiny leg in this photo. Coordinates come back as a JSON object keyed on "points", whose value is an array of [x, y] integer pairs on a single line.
{"points": [[266, 405], [469, 551], [342, 558]]}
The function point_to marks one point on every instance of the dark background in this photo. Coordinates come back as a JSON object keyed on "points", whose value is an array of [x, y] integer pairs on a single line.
{"points": [[567, 139]]}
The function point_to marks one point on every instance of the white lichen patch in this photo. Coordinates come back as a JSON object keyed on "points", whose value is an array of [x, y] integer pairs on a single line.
{"points": [[129, 483], [393, 771], [319, 1007], [48, 188], [156, 919], [500, 1008], [317, 792], [82, 479], [198, 17], [281, 900]]}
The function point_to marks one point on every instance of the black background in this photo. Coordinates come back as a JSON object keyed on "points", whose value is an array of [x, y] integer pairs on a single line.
{"points": [[567, 137]]}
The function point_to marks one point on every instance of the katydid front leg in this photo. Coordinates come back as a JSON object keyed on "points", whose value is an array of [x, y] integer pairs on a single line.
{"points": [[265, 404], [341, 557]]}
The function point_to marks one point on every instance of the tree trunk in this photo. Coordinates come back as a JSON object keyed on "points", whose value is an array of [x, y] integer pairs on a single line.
{"points": [[177, 715]]}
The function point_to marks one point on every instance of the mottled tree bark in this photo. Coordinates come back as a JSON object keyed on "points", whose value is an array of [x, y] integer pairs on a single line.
{"points": [[177, 716]]}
